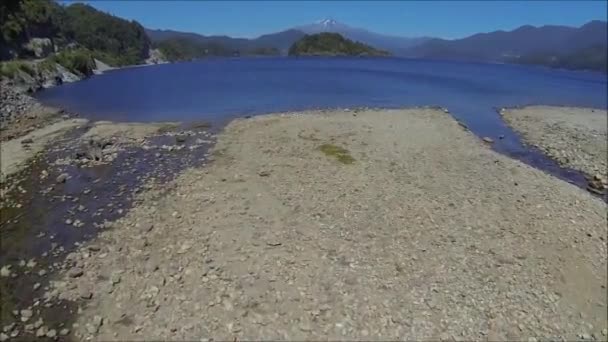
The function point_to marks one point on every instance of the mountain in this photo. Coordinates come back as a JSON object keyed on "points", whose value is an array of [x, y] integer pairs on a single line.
{"points": [[280, 41], [331, 44], [521, 44], [396, 45]]}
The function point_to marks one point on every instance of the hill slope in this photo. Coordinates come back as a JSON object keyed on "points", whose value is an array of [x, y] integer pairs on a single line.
{"points": [[525, 44], [36, 28], [192, 45], [331, 44]]}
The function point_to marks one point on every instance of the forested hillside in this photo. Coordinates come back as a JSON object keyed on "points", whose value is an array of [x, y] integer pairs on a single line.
{"points": [[36, 28], [331, 44]]}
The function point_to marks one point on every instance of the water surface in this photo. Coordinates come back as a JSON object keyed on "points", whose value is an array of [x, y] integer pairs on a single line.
{"points": [[218, 90]]}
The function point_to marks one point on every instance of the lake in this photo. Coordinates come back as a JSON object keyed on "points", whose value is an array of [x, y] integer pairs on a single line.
{"points": [[218, 90]]}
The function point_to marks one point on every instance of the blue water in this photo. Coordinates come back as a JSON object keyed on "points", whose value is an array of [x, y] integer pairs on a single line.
{"points": [[218, 90]]}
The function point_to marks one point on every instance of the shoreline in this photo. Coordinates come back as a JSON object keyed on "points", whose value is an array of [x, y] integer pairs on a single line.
{"points": [[95, 226], [574, 137], [285, 190]]}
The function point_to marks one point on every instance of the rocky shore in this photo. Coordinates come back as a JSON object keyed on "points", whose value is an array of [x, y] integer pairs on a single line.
{"points": [[64, 179], [345, 225], [575, 137]]}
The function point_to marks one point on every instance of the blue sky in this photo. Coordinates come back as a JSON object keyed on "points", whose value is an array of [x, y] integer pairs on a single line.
{"points": [[446, 19]]}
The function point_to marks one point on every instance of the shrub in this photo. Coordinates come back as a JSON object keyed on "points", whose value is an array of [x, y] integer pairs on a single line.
{"points": [[77, 61], [11, 69]]}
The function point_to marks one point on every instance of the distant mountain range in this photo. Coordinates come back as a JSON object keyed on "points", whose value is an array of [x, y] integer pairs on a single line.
{"points": [[559, 46], [281, 41], [501, 45], [396, 45], [284, 39]]}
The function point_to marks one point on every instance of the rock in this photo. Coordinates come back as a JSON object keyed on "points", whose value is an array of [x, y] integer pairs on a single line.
{"points": [[31, 263], [147, 227], [180, 138], [502, 136], [488, 140], [27, 141], [115, 278], [96, 323], [62, 178], [273, 243], [51, 333], [5, 271], [41, 332], [3, 337], [69, 222], [36, 286], [94, 248], [8, 328], [264, 173], [86, 294], [26, 314], [75, 272], [39, 47], [38, 323], [64, 332], [42, 273]]}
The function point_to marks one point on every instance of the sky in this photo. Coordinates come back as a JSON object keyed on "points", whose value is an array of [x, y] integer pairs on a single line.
{"points": [[444, 19]]}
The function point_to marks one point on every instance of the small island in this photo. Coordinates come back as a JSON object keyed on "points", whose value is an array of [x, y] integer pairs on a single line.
{"points": [[332, 44]]}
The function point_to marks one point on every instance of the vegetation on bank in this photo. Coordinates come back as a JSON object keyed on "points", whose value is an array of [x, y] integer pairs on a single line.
{"points": [[591, 58], [78, 61], [332, 44], [114, 40], [183, 48], [12, 68]]}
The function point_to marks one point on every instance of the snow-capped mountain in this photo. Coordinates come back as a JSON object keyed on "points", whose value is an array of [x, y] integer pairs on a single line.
{"points": [[394, 44]]}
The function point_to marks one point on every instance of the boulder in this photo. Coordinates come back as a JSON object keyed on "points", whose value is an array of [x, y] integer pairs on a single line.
{"points": [[39, 47]]}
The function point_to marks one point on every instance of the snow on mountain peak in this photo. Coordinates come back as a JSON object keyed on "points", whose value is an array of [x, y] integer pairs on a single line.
{"points": [[327, 22]]}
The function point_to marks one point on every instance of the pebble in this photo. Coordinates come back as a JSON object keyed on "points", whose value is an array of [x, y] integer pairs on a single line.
{"points": [[51, 333], [64, 332], [62, 178], [8, 328], [488, 140], [42, 273], [75, 272], [26, 314], [41, 332], [36, 286], [3, 337], [115, 278], [264, 173], [5, 271], [95, 324], [94, 248]]}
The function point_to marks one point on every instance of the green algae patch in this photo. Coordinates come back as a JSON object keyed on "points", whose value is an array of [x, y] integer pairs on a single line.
{"points": [[341, 154]]}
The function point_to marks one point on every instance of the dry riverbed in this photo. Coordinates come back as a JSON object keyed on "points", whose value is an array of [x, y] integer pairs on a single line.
{"points": [[388, 224], [575, 137]]}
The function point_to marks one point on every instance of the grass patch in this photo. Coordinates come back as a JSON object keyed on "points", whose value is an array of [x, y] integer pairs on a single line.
{"points": [[10, 69], [76, 61], [47, 65], [341, 154]]}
